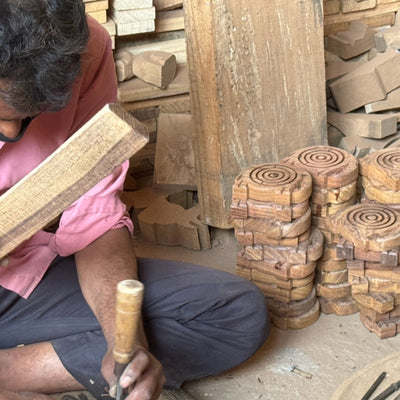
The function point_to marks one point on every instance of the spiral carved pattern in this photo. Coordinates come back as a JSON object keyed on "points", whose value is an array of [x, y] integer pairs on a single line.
{"points": [[273, 175], [372, 217], [321, 157], [389, 160]]}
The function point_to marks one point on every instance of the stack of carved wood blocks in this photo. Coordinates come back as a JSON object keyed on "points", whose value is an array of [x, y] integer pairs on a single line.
{"points": [[363, 86], [304, 238]]}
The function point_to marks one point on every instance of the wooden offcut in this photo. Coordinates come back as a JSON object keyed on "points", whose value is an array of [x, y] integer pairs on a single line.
{"points": [[103, 143], [253, 100]]}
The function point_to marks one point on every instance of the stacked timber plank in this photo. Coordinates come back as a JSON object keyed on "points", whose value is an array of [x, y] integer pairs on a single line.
{"points": [[334, 173], [272, 221], [370, 238], [97, 9]]}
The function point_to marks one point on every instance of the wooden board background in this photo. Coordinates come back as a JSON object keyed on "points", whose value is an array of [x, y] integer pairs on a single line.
{"points": [[256, 73]]}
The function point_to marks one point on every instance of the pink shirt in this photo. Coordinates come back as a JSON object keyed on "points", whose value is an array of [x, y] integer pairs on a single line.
{"points": [[100, 209]]}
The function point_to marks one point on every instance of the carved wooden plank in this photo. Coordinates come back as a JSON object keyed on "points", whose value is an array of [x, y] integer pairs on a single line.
{"points": [[168, 21], [332, 265], [369, 227], [249, 238], [300, 322], [344, 306], [324, 210], [381, 302], [294, 308], [285, 295], [375, 126], [288, 284], [276, 183], [337, 68], [333, 277], [383, 329], [275, 229], [238, 122], [357, 39], [368, 83], [130, 4], [383, 166], [330, 291], [104, 142], [349, 6], [376, 191], [391, 102], [162, 5], [388, 38], [330, 253], [329, 166]]}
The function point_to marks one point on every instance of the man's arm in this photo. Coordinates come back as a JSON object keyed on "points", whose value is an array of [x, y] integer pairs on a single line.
{"points": [[101, 265]]}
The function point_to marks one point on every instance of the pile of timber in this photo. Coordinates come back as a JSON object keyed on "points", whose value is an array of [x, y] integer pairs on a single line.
{"points": [[363, 86], [334, 173], [369, 240], [272, 221]]}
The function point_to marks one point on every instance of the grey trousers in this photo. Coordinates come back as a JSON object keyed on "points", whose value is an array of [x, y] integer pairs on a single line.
{"points": [[198, 321]]}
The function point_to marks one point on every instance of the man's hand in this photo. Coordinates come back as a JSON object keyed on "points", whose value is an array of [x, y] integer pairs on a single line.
{"points": [[143, 377]]}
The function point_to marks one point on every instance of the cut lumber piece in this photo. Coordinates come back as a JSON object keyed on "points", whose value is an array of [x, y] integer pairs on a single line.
{"points": [[294, 308], [359, 285], [357, 39], [276, 183], [280, 270], [275, 229], [162, 5], [381, 15], [100, 16], [383, 329], [309, 250], [103, 143], [130, 4], [168, 21], [260, 209], [300, 322], [288, 284], [132, 28], [381, 302], [345, 306], [332, 292], [368, 83], [373, 315], [136, 90], [369, 227], [232, 76], [170, 224], [332, 277], [174, 160], [96, 6], [250, 238], [284, 295], [375, 126], [350, 6], [330, 253], [173, 46], [155, 67], [331, 265], [329, 166], [330, 209], [337, 68], [391, 102], [383, 166], [131, 15], [337, 195], [178, 104], [376, 191]]}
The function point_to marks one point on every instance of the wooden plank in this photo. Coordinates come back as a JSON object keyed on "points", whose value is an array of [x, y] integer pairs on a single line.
{"points": [[132, 28], [162, 5], [96, 6], [136, 90], [172, 104], [174, 161], [100, 16], [91, 154], [244, 90], [130, 4], [132, 15], [167, 21]]}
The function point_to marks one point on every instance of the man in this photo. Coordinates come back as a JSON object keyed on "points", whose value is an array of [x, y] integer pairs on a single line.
{"points": [[57, 290]]}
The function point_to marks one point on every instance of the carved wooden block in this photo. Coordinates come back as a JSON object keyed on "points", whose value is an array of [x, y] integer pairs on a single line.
{"points": [[374, 316], [273, 183], [368, 83], [299, 322], [330, 253], [261, 209], [294, 308], [375, 191], [249, 238], [280, 270], [243, 272], [374, 126], [284, 295], [288, 284], [330, 209], [344, 306], [331, 265], [331, 277], [383, 166], [359, 284], [390, 102], [275, 229], [337, 68], [330, 291], [368, 227], [357, 39], [383, 329], [381, 302], [345, 249], [338, 195], [330, 167]]}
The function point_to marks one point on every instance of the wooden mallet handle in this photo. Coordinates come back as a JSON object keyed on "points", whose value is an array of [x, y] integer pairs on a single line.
{"points": [[128, 311]]}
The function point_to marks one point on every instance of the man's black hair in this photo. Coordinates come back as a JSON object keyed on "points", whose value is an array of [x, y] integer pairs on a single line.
{"points": [[41, 42]]}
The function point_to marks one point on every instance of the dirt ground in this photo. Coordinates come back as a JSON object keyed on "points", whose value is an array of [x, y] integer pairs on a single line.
{"points": [[328, 352]]}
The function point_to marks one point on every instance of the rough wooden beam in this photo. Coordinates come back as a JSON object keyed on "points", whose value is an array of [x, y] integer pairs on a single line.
{"points": [[103, 143]]}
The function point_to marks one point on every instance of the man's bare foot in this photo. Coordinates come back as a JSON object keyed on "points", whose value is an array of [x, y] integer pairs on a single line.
{"points": [[8, 395]]}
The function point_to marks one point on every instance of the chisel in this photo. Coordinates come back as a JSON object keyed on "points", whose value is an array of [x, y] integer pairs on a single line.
{"points": [[128, 311]]}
